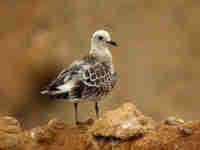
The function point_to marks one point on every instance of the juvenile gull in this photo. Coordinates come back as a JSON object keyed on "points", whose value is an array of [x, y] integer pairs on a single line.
{"points": [[88, 79]]}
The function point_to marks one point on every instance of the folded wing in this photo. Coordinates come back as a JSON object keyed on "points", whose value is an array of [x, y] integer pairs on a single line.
{"points": [[88, 80]]}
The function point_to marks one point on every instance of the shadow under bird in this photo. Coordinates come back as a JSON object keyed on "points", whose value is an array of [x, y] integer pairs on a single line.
{"points": [[88, 79]]}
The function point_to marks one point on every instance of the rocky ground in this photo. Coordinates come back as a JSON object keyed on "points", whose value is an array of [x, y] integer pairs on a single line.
{"points": [[119, 129]]}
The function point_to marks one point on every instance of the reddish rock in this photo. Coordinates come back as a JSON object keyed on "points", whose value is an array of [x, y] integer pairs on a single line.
{"points": [[56, 124], [9, 125], [173, 121], [10, 130], [40, 135], [47, 135], [124, 123]]}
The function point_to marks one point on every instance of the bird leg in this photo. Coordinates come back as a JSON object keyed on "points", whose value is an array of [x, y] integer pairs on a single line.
{"points": [[76, 113], [97, 110]]}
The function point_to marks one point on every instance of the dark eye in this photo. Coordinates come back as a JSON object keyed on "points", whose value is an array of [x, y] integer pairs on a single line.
{"points": [[100, 37]]}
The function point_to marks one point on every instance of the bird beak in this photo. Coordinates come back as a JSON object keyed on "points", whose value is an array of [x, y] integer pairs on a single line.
{"points": [[112, 43]]}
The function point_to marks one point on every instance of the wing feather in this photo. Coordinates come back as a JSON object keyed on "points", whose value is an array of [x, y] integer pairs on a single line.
{"points": [[97, 75], [63, 78], [84, 79]]}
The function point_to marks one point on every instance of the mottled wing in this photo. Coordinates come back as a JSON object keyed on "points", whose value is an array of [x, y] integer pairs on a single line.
{"points": [[65, 76], [98, 81], [97, 75], [87, 79]]}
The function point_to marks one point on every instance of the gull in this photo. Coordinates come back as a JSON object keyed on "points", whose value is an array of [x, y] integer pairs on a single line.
{"points": [[89, 79]]}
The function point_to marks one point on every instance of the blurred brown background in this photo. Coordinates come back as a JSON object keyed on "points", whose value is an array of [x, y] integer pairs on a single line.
{"points": [[157, 61]]}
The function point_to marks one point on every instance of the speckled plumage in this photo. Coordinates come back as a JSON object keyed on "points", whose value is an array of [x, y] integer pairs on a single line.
{"points": [[92, 81], [88, 79]]}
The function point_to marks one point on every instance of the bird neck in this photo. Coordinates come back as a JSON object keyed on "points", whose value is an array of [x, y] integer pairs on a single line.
{"points": [[104, 56]]}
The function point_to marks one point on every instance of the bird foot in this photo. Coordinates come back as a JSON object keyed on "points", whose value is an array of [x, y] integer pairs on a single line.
{"points": [[87, 122]]}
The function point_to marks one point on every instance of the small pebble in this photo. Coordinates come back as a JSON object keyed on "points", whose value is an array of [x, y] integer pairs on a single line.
{"points": [[173, 121], [56, 124], [185, 131]]}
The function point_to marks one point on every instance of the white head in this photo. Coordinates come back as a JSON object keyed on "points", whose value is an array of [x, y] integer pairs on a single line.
{"points": [[99, 47], [101, 39]]}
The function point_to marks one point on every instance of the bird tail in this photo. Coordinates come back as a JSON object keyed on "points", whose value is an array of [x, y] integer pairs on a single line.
{"points": [[49, 92], [55, 94], [44, 92], [66, 91]]}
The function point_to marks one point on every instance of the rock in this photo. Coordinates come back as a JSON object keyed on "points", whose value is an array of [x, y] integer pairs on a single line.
{"points": [[123, 123], [8, 141], [9, 125], [10, 130], [47, 134], [173, 121], [118, 129], [40, 135], [184, 131], [56, 124]]}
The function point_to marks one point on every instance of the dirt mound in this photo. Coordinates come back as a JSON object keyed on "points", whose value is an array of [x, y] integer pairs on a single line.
{"points": [[172, 133]]}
